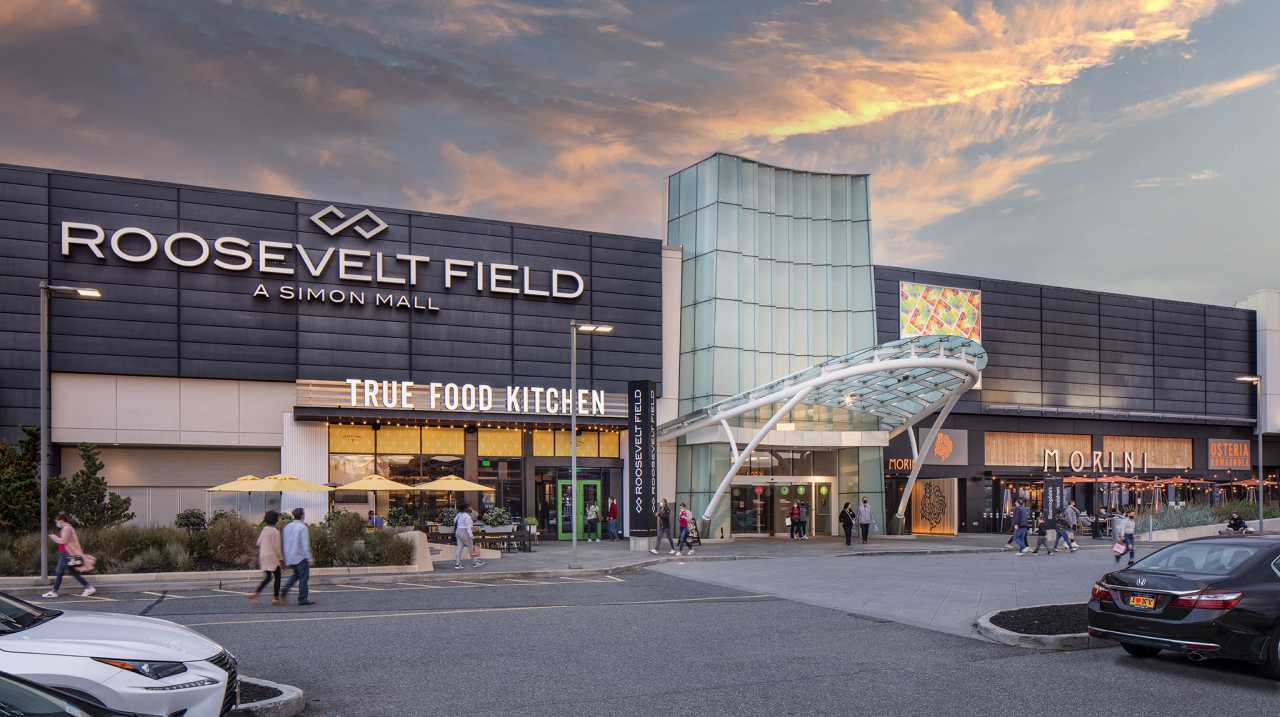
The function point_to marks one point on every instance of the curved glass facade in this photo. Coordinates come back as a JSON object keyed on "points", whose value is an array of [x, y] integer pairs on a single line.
{"points": [[776, 277]]}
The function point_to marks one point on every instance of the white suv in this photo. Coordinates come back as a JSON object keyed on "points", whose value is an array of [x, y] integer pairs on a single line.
{"points": [[126, 662]]}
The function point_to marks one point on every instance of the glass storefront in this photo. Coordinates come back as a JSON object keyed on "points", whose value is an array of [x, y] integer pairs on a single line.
{"points": [[522, 466]]}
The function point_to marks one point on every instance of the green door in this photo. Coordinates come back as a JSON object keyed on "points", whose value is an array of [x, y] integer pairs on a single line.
{"points": [[588, 493]]}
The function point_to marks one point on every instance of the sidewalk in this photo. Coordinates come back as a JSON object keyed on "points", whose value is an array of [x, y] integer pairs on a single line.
{"points": [[552, 559]]}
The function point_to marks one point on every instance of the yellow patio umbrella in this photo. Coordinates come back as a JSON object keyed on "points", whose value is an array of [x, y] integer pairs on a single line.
{"points": [[278, 483], [377, 483], [452, 484]]}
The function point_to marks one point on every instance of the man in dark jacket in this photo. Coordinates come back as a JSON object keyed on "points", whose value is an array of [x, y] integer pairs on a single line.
{"points": [[664, 528], [1021, 521]]}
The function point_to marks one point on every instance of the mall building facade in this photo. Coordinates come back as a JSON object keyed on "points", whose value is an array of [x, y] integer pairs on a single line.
{"points": [[246, 333], [240, 333]]}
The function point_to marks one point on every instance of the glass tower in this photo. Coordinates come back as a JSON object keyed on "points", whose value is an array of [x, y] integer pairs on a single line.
{"points": [[776, 276]]}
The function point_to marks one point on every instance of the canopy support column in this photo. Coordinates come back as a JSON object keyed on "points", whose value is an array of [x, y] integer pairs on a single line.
{"points": [[733, 444], [751, 446], [917, 463]]}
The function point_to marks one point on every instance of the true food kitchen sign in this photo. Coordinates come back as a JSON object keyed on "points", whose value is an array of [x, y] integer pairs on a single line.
{"points": [[364, 393], [392, 277]]}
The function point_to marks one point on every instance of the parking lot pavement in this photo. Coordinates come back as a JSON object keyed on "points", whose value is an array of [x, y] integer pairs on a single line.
{"points": [[947, 593], [650, 642]]}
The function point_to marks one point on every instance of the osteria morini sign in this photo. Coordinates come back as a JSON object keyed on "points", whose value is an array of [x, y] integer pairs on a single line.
{"points": [[394, 279], [381, 395]]}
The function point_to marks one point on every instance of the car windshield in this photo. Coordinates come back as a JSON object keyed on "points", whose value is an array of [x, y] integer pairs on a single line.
{"points": [[18, 615], [1202, 558]]}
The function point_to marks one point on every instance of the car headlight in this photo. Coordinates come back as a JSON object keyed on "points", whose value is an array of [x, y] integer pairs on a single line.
{"points": [[154, 670]]}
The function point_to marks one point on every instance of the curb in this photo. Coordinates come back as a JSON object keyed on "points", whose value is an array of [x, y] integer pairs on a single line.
{"points": [[249, 578], [288, 703], [1071, 641]]}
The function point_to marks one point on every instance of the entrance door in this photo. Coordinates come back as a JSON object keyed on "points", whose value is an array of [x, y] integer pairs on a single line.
{"points": [[751, 510], [588, 493]]}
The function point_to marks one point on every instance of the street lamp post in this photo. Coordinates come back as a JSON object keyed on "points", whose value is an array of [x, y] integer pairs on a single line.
{"points": [[574, 328], [1257, 384], [46, 290]]}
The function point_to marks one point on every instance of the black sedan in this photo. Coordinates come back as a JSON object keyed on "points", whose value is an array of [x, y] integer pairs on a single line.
{"points": [[1204, 598]]}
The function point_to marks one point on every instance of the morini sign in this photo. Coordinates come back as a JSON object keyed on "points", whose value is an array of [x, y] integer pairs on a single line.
{"points": [[392, 278]]}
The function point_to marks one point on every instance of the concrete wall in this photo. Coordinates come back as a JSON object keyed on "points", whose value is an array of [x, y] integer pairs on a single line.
{"points": [[155, 411], [1267, 305]]}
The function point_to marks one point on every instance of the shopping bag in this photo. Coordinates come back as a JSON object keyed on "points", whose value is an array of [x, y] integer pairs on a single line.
{"points": [[1119, 547], [787, 522]]}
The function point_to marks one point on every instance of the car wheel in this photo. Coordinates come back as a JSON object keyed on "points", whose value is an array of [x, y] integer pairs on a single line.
{"points": [[1140, 650], [1272, 666]]}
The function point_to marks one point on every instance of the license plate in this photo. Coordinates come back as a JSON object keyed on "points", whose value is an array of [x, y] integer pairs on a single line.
{"points": [[1143, 601]]}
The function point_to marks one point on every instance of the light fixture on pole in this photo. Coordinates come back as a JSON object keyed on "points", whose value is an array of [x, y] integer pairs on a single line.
{"points": [[47, 290], [1257, 384], [576, 327]]}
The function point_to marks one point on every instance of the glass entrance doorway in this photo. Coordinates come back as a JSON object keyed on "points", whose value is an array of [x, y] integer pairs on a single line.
{"points": [[763, 507], [588, 494]]}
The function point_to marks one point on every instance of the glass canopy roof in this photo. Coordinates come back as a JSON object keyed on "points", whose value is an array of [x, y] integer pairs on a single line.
{"points": [[898, 382]]}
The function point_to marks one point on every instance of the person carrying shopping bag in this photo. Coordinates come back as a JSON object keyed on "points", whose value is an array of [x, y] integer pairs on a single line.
{"points": [[70, 556]]}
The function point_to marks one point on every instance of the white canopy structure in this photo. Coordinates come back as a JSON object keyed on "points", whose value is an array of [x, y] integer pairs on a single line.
{"points": [[899, 382]]}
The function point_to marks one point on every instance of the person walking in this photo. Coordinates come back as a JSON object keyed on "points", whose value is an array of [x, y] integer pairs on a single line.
{"points": [[864, 519], [296, 541], [1021, 522], [1066, 528], [462, 524], [270, 557], [795, 520], [593, 522], [684, 519], [611, 516], [664, 528], [70, 556], [1042, 536], [804, 520], [1072, 515], [847, 519], [1122, 529]]}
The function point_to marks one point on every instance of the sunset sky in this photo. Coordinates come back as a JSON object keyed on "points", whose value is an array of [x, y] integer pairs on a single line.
{"points": [[1124, 145]]}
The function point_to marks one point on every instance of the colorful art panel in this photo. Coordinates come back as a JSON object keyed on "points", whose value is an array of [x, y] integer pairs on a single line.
{"points": [[928, 310]]}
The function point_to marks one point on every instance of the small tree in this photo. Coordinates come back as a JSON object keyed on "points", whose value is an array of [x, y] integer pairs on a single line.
{"points": [[20, 483], [85, 497]]}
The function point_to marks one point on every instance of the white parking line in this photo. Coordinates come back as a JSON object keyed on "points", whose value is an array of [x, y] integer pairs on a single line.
{"points": [[229, 592], [170, 595], [358, 587]]}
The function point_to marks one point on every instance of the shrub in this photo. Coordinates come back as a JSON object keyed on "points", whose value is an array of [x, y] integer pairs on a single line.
{"points": [[177, 557], [345, 526], [85, 497], [496, 517], [9, 564], [113, 547], [221, 515], [199, 547], [1249, 511], [446, 515], [388, 549], [323, 546], [150, 560], [233, 541], [401, 517], [191, 519]]}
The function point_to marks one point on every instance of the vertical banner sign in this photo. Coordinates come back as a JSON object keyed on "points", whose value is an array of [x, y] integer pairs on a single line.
{"points": [[642, 420], [1053, 501]]}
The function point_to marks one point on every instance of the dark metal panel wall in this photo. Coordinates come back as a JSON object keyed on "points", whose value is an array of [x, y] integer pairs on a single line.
{"points": [[157, 319], [1068, 348]]}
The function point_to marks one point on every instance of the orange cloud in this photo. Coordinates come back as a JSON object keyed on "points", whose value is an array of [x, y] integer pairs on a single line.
{"points": [[38, 16]]}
